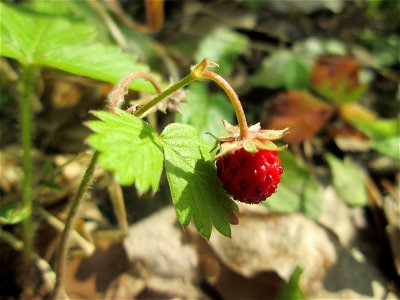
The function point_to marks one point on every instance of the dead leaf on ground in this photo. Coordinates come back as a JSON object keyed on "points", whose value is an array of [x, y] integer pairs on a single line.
{"points": [[302, 112], [337, 79]]}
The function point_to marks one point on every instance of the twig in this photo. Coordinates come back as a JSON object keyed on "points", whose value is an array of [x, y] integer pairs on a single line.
{"points": [[114, 29], [87, 247], [117, 199]]}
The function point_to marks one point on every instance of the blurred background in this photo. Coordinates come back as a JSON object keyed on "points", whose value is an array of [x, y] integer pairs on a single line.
{"points": [[329, 70]]}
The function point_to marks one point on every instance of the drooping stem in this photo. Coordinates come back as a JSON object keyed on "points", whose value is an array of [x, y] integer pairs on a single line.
{"points": [[27, 232], [61, 259], [237, 106], [116, 97]]}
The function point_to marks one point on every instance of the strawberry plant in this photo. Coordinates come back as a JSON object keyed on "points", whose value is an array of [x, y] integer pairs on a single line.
{"points": [[124, 144]]}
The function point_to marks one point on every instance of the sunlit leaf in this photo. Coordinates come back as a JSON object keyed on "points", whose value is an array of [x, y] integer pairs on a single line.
{"points": [[129, 148], [348, 180], [195, 188], [65, 43]]}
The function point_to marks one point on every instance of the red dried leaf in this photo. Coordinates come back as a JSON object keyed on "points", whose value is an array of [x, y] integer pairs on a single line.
{"points": [[302, 112], [337, 79]]}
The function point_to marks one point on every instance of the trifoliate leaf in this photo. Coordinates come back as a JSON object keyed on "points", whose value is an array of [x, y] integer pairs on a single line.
{"points": [[385, 135], [222, 45], [129, 148], [195, 188], [298, 190], [62, 42], [12, 213], [348, 180], [205, 111]]}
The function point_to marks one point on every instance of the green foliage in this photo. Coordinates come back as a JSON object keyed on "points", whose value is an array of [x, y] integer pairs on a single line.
{"points": [[348, 180], [195, 188], [222, 45], [13, 213], [385, 135], [291, 69], [298, 190], [291, 290], [205, 111], [62, 42], [133, 151], [282, 69], [129, 148]]}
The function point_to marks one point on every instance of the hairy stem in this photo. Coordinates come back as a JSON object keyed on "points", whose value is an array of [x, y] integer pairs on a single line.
{"points": [[27, 232], [237, 106], [61, 259], [117, 95]]}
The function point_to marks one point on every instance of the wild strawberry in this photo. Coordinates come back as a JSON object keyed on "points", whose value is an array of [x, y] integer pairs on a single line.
{"points": [[249, 168], [250, 177]]}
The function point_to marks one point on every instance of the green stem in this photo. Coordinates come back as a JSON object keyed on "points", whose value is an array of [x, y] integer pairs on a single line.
{"points": [[61, 260], [237, 106], [25, 119], [173, 88]]}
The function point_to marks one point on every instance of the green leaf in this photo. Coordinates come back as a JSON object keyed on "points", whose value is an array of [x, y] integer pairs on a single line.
{"points": [[62, 42], [297, 76], [298, 190], [272, 71], [13, 213], [291, 290], [129, 148], [195, 188], [291, 69], [205, 111], [222, 46], [348, 180], [385, 135]]}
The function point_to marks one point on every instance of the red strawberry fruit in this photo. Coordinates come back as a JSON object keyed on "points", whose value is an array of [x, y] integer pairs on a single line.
{"points": [[249, 169], [250, 177]]}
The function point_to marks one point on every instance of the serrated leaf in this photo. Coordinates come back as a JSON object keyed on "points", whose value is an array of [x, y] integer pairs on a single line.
{"points": [[62, 42], [205, 111], [13, 213], [298, 190], [195, 188], [385, 135], [129, 148], [348, 180], [223, 46], [291, 290]]}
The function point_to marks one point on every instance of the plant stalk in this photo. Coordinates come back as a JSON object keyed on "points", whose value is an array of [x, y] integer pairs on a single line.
{"points": [[27, 231], [237, 106], [61, 259], [161, 96], [116, 97]]}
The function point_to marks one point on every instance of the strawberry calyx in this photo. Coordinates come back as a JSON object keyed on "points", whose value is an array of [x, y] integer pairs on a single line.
{"points": [[257, 139]]}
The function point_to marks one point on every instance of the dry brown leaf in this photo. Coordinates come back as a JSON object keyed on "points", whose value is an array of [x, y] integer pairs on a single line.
{"points": [[303, 113]]}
